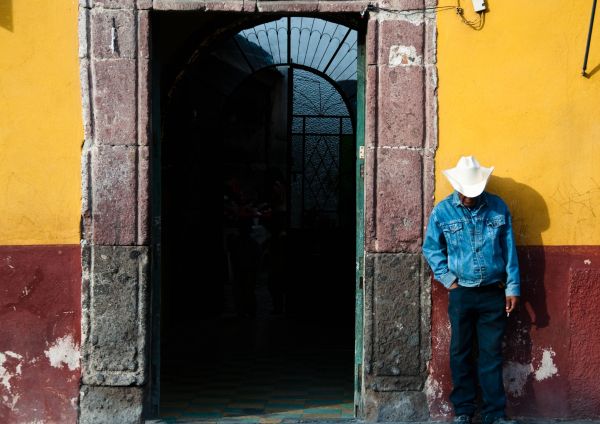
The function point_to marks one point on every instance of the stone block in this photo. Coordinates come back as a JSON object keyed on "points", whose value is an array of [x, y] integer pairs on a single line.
{"points": [[428, 186], [370, 156], [82, 31], [114, 195], [343, 6], [144, 122], [396, 314], [144, 4], [372, 40], [113, 34], [431, 109], [143, 28], [371, 106], [206, 5], [395, 406], [401, 118], [114, 101], [115, 344], [370, 200], [370, 204], [143, 199], [121, 405], [286, 6], [86, 189], [430, 48], [86, 92], [114, 4], [400, 43], [425, 315], [395, 384], [399, 200], [402, 4]]}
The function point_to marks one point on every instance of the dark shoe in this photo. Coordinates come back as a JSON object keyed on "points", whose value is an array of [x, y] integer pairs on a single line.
{"points": [[462, 419]]}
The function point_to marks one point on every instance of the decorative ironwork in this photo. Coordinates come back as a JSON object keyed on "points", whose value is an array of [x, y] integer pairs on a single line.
{"points": [[319, 58], [320, 124], [323, 46]]}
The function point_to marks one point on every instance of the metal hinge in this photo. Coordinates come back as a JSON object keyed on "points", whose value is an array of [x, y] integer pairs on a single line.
{"points": [[361, 152]]}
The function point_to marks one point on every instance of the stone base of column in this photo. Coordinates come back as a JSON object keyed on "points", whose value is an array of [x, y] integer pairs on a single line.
{"points": [[98, 404], [395, 406]]}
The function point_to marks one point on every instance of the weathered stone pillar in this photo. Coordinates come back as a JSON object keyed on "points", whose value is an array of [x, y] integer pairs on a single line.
{"points": [[114, 58], [401, 132]]}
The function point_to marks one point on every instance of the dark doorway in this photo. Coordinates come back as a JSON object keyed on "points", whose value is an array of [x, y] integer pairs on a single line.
{"points": [[257, 186]]}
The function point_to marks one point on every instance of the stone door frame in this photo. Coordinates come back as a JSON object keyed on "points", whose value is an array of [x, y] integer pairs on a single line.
{"points": [[400, 142]]}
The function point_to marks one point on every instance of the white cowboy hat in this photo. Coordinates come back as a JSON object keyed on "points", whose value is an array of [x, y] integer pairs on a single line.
{"points": [[468, 177]]}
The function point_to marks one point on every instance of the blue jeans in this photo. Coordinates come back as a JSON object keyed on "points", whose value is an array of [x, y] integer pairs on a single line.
{"points": [[477, 313]]}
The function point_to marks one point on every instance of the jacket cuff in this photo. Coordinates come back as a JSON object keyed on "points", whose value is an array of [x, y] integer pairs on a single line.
{"points": [[447, 279], [512, 291]]}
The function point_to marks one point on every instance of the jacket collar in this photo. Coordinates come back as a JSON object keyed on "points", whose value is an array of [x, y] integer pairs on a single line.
{"points": [[481, 201]]}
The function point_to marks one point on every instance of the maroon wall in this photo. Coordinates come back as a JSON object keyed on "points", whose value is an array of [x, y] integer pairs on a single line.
{"points": [[40, 327], [552, 353]]}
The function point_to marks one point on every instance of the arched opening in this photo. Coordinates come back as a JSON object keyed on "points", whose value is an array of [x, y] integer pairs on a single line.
{"points": [[257, 186]]}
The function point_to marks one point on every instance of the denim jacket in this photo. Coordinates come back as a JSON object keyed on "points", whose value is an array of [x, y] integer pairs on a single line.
{"points": [[474, 247]]}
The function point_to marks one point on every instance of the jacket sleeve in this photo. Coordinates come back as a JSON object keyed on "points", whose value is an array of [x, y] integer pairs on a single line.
{"points": [[509, 250], [435, 251]]}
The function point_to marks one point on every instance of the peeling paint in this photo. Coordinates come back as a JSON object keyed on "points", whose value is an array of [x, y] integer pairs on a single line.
{"points": [[64, 351], [13, 354], [5, 374], [547, 368], [515, 377], [404, 56], [587, 262], [434, 393], [9, 398], [516, 373]]}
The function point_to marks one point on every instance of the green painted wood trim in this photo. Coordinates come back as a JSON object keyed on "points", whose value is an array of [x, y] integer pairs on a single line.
{"points": [[360, 218]]}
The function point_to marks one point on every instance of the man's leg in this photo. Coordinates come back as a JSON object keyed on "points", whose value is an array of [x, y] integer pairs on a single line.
{"points": [[462, 321], [490, 330]]}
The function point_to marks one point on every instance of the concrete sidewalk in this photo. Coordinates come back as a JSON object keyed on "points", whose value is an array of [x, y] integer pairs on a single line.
{"points": [[354, 421]]}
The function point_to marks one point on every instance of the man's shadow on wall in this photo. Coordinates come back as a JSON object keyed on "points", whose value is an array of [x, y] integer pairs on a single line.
{"points": [[530, 219], [6, 15]]}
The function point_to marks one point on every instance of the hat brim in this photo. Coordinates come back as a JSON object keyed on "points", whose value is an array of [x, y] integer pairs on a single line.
{"points": [[469, 190]]}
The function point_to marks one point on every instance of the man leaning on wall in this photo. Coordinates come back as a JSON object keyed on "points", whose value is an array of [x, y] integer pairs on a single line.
{"points": [[470, 247]]}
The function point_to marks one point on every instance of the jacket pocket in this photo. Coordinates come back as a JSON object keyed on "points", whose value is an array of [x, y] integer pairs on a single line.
{"points": [[495, 224], [452, 231]]}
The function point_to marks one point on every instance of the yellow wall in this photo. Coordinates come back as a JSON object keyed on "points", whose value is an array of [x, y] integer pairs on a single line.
{"points": [[40, 122], [512, 94]]}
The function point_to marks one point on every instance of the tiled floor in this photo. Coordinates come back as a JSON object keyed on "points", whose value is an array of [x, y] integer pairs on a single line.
{"points": [[263, 389], [262, 369]]}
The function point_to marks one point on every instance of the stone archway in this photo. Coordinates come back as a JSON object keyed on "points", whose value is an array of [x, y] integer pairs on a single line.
{"points": [[401, 137]]}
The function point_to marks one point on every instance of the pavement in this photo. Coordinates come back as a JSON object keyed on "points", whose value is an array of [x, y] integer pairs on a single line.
{"points": [[355, 421]]}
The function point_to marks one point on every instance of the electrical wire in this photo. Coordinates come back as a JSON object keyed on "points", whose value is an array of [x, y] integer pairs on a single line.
{"points": [[476, 24], [374, 8]]}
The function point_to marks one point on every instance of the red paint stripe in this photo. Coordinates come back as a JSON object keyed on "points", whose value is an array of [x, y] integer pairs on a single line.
{"points": [[549, 330], [40, 311]]}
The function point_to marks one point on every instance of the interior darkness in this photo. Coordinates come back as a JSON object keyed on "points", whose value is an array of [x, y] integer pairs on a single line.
{"points": [[237, 279]]}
